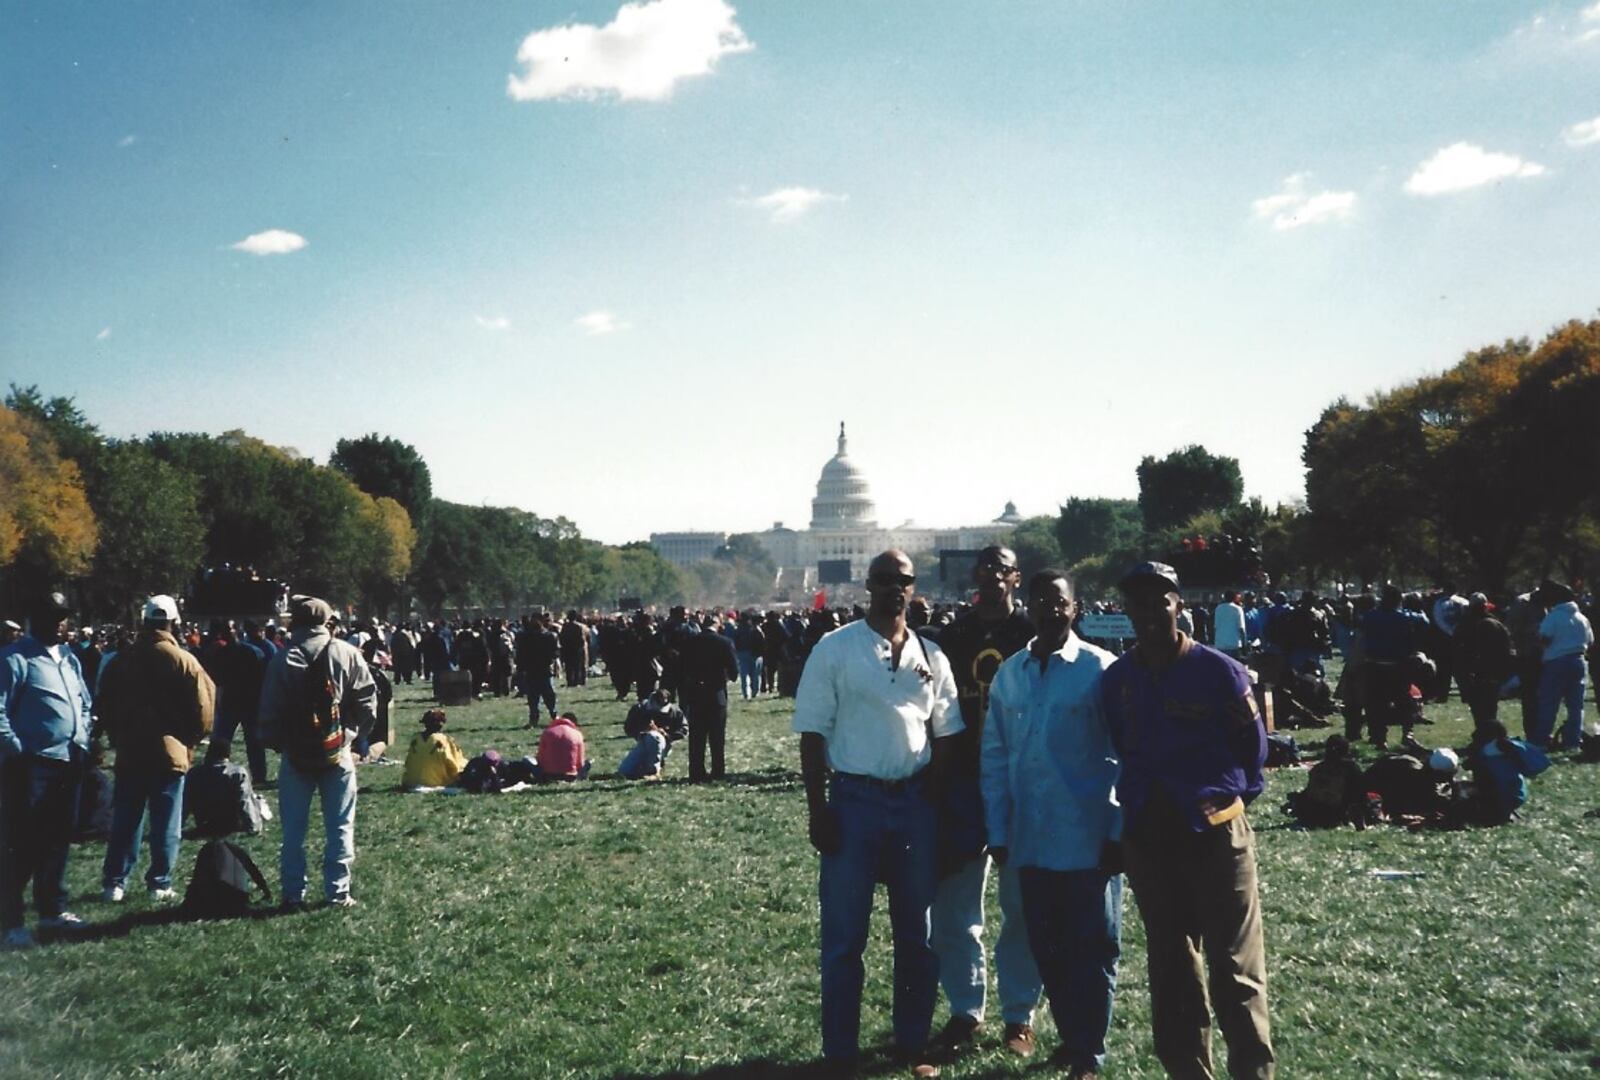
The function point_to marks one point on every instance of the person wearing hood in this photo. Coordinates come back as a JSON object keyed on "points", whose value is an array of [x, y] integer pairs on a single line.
{"points": [[1565, 636], [155, 706]]}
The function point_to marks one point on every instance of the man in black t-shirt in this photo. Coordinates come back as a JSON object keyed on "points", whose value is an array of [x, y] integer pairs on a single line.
{"points": [[976, 644]]}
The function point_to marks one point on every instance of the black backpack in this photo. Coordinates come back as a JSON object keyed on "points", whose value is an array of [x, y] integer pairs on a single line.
{"points": [[220, 887]]}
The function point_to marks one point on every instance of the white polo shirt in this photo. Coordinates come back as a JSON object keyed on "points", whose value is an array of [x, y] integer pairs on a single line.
{"points": [[874, 716], [1228, 626]]}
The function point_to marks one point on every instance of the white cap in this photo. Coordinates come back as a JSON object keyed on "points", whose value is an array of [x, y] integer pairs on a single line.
{"points": [[1443, 760], [161, 609]]}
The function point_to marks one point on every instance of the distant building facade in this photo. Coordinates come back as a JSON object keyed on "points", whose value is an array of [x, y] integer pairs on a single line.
{"points": [[687, 548], [844, 527]]}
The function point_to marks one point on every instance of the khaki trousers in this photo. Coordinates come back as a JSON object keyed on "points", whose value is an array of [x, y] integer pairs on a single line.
{"points": [[1197, 897]]}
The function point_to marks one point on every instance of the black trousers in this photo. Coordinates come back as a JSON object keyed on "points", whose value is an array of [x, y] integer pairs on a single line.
{"points": [[708, 723], [38, 802]]}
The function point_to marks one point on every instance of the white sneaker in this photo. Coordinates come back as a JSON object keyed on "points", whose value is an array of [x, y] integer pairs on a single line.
{"points": [[113, 894], [65, 921], [163, 896], [344, 900], [18, 937]]}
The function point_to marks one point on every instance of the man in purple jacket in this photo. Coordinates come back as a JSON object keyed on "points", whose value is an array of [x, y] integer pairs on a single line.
{"points": [[1185, 725]]}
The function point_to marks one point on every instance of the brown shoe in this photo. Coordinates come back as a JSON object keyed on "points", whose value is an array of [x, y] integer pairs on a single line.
{"points": [[919, 1064], [1019, 1039]]}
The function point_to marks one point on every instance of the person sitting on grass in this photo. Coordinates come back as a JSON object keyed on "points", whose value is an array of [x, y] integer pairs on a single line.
{"points": [[659, 710], [561, 753], [433, 759], [648, 756], [1500, 766]]}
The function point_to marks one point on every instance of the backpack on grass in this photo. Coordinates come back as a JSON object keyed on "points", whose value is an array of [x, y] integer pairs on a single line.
{"points": [[221, 885], [314, 737]]}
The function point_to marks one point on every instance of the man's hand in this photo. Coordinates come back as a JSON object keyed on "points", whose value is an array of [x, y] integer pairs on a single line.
{"points": [[999, 855], [823, 828], [1111, 857]]}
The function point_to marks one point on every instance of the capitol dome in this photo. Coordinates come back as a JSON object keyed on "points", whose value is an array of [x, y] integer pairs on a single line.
{"points": [[843, 500]]}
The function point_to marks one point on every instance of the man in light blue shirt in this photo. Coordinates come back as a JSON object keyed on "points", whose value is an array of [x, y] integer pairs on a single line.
{"points": [[1049, 775]]}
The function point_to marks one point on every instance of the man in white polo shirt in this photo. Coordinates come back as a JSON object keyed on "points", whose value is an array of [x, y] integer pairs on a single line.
{"points": [[1227, 627], [874, 705]]}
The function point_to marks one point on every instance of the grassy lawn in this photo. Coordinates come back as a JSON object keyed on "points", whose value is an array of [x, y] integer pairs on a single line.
{"points": [[642, 930]]}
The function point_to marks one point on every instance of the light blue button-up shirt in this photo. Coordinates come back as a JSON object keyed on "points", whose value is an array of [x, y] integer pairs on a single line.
{"points": [[1049, 771]]}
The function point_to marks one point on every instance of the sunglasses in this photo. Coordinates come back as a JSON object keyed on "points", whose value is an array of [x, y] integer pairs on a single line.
{"points": [[891, 581]]}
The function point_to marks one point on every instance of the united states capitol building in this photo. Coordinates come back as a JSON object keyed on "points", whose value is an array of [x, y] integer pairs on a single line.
{"points": [[843, 536]]}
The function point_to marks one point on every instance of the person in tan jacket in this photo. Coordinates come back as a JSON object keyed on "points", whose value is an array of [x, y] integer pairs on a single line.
{"points": [[155, 705]]}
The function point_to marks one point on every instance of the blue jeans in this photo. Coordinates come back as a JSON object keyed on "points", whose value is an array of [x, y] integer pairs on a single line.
{"points": [[749, 675], [958, 941], [890, 835], [135, 792], [1075, 925], [336, 786], [1561, 681]]}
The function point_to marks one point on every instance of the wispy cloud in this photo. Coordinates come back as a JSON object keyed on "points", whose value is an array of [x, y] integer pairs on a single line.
{"points": [[492, 322], [1294, 205], [640, 55], [1554, 33], [127, 141], [1462, 165], [271, 242], [786, 204], [1585, 133], [103, 335], [597, 323]]}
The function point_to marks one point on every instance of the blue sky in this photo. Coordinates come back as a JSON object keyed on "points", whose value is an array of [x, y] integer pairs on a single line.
{"points": [[633, 266]]}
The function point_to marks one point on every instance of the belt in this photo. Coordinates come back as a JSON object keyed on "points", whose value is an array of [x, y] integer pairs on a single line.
{"points": [[906, 784]]}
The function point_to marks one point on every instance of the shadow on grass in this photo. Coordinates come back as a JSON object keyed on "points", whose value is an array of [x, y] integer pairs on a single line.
{"points": [[165, 916], [766, 1069]]}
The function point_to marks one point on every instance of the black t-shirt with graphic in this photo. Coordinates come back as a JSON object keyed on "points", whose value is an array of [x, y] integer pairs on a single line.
{"points": [[976, 648]]}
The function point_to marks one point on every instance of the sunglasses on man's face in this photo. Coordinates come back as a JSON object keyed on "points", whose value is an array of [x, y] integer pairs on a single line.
{"points": [[891, 581]]}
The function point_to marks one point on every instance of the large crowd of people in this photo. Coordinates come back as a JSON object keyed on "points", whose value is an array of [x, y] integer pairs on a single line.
{"points": [[939, 744]]}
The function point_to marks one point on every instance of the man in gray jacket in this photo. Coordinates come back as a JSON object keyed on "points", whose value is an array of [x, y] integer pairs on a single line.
{"points": [[286, 699]]}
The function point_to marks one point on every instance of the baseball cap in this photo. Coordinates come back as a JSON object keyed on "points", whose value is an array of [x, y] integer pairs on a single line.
{"points": [[309, 611], [161, 608], [1147, 573]]}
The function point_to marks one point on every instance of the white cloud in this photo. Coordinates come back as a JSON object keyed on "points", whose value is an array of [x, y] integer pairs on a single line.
{"points": [[127, 141], [786, 204], [271, 242], [1554, 34], [1585, 133], [1462, 165], [639, 56], [596, 323], [103, 335], [1293, 206], [492, 322]]}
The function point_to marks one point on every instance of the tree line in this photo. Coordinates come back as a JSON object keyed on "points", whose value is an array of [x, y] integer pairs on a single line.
{"points": [[1481, 476], [117, 519]]}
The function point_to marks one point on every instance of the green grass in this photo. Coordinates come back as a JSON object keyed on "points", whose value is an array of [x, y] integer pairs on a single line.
{"points": [[614, 929]]}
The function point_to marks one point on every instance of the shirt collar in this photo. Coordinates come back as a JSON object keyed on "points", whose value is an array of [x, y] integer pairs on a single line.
{"points": [[1068, 651]]}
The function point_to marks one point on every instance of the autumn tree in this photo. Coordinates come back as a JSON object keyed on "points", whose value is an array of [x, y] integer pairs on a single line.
{"points": [[48, 531]]}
